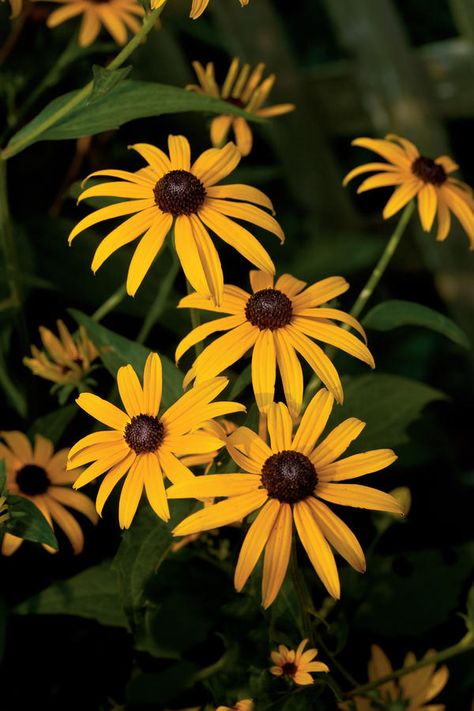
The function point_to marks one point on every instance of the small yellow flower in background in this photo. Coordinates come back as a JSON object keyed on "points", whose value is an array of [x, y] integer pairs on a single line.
{"points": [[241, 88], [39, 474], [413, 690], [174, 190], [118, 17], [287, 481], [16, 7], [67, 360], [297, 664], [197, 7], [243, 705], [278, 322], [429, 180], [143, 444]]}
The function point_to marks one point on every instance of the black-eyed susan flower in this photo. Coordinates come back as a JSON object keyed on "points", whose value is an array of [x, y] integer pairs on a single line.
{"points": [[39, 474], [118, 17], [66, 360], [413, 691], [415, 175], [172, 190], [218, 428], [277, 322], [289, 481], [242, 705], [197, 7], [142, 445], [244, 88], [298, 664]]}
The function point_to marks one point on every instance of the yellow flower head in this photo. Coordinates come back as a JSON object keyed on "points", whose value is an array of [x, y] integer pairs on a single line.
{"points": [[39, 474], [197, 7], [277, 322], [297, 664], [143, 444], [67, 360], [117, 16], [241, 88], [438, 193], [415, 689], [287, 481], [242, 705], [171, 189]]}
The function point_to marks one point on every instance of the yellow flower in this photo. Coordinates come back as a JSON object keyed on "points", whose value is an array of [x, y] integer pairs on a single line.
{"points": [[40, 475], [143, 444], [288, 481], [67, 360], [275, 321], [415, 175], [16, 7], [298, 664], [243, 705], [197, 8], [415, 689], [117, 16], [174, 190], [220, 429], [240, 88]]}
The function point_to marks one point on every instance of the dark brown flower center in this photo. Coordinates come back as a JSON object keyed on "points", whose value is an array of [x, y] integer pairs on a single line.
{"points": [[235, 102], [289, 669], [289, 476], [269, 308], [144, 433], [32, 480], [428, 171], [179, 192]]}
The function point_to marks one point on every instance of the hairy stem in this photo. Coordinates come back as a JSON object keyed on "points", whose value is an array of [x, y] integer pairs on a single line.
{"points": [[109, 304]]}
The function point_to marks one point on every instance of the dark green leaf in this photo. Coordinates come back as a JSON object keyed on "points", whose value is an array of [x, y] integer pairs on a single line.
{"points": [[53, 424], [26, 521], [157, 689], [395, 313], [3, 477], [389, 404], [127, 101], [105, 80], [116, 351], [92, 594], [469, 616]]}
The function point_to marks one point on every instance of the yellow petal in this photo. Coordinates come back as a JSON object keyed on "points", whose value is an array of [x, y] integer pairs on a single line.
{"points": [[101, 466], [357, 465], [448, 164], [289, 285], [327, 313], [43, 450], [216, 163], [209, 261], [386, 149], [290, 372], [225, 351], [154, 486], [152, 384], [320, 292], [237, 191], [74, 499], [221, 514], [220, 126], [117, 189], [254, 542], [367, 168], [317, 548], [130, 390], [335, 336], [172, 467], [277, 555], [146, 251], [111, 211], [264, 369], [247, 212], [180, 153], [444, 219], [243, 135], [362, 497], [214, 485], [201, 332], [193, 261], [186, 413], [122, 235], [131, 493], [260, 280], [381, 180], [103, 411], [402, 197], [313, 422], [158, 160], [111, 480], [338, 534], [101, 437], [427, 203], [280, 427], [19, 444], [67, 523], [248, 450], [410, 149], [336, 442]]}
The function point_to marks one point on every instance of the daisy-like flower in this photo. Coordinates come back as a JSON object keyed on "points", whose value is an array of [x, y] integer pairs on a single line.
{"points": [[429, 180], [143, 445], [287, 481], [297, 664], [39, 474], [118, 17], [197, 7], [172, 190], [277, 321], [67, 360], [244, 88], [414, 691]]}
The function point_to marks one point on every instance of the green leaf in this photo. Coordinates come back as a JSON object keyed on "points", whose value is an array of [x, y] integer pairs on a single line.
{"points": [[127, 101], [116, 351], [469, 616], [26, 521], [396, 313], [93, 594], [54, 423], [389, 404], [105, 80], [161, 687]]}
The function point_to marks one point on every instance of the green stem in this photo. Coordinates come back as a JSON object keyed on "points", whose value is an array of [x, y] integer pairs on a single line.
{"points": [[369, 287], [15, 147], [466, 644], [161, 299], [110, 304]]}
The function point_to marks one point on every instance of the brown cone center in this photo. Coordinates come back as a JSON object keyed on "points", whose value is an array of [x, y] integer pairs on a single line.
{"points": [[144, 433], [269, 308], [179, 192], [289, 476], [428, 171], [32, 480]]}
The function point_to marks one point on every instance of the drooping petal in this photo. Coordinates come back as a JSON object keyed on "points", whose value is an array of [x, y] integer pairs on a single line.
{"points": [[238, 191], [221, 514], [254, 542], [248, 450], [317, 548], [111, 480], [357, 465], [225, 351], [75, 500], [146, 251], [277, 555], [243, 135], [67, 523], [127, 232], [427, 204], [290, 371], [154, 486], [201, 332], [336, 442], [313, 422], [220, 126], [131, 493], [264, 369], [317, 360], [335, 336], [338, 534], [109, 212], [358, 496], [320, 292], [247, 212], [402, 197]]}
